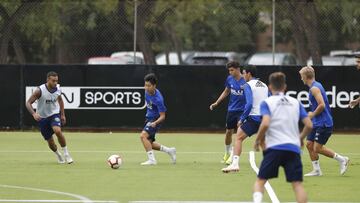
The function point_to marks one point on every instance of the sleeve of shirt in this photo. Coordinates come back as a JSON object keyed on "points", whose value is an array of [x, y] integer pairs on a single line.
{"points": [[160, 104], [303, 114], [249, 101], [264, 109], [227, 83]]}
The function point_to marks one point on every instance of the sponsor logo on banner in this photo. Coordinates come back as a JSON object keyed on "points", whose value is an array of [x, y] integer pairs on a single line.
{"points": [[99, 97]]}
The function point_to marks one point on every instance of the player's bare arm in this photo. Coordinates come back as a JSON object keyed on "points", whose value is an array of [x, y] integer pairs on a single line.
{"points": [[62, 110], [223, 95], [306, 130], [159, 120], [36, 95], [319, 99], [260, 139], [354, 102]]}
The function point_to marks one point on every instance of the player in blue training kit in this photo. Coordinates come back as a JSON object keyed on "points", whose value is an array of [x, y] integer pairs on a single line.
{"points": [[255, 92], [50, 114], [280, 140], [323, 124], [155, 116], [234, 86]]}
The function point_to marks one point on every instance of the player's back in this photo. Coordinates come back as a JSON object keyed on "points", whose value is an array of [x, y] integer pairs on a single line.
{"points": [[47, 104], [285, 115], [260, 92], [324, 118]]}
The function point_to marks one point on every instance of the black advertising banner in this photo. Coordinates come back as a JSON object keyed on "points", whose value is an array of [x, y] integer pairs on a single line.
{"points": [[112, 96]]}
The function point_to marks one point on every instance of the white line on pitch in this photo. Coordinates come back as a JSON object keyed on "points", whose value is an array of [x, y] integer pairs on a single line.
{"points": [[216, 202], [53, 200]]}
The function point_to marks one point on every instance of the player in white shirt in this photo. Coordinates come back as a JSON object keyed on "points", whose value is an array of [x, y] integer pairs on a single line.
{"points": [[255, 92], [50, 114], [280, 140]]}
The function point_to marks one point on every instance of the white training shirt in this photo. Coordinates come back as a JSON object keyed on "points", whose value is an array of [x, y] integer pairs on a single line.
{"points": [[47, 104], [285, 113]]}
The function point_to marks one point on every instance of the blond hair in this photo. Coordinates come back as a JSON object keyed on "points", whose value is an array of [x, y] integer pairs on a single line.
{"points": [[308, 72]]}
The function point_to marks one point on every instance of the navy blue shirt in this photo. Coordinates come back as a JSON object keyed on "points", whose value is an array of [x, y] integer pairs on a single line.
{"points": [[324, 119], [155, 105], [237, 97]]}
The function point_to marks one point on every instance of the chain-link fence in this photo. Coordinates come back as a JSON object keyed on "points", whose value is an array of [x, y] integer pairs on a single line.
{"points": [[175, 32]]}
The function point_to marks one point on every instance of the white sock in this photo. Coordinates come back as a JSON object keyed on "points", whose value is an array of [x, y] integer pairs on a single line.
{"points": [[151, 155], [257, 197], [164, 149], [57, 153], [339, 158], [65, 150], [235, 160], [228, 149], [316, 165]]}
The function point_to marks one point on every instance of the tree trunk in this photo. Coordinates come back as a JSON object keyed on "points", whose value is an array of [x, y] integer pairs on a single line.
{"points": [[144, 11], [306, 19], [9, 24]]}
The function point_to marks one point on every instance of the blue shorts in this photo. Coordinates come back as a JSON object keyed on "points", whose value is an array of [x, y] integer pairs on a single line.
{"points": [[250, 126], [320, 135], [150, 130], [46, 125], [273, 159], [232, 118]]}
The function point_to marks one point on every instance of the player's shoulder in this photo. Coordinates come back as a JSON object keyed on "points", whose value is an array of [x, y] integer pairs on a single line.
{"points": [[158, 95]]}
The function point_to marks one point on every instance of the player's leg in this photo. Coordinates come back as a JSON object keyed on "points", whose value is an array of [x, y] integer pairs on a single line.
{"points": [[258, 190], [53, 147], [62, 142], [228, 141], [300, 193], [319, 147], [147, 143], [171, 151], [47, 133], [314, 157]]}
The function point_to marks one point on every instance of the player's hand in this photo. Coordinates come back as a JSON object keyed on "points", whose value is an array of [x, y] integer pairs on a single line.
{"points": [[36, 116], [239, 124], [311, 114], [63, 119], [302, 143], [257, 146], [153, 125], [353, 103], [213, 105]]}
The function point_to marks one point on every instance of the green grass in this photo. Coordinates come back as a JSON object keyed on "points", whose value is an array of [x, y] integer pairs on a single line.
{"points": [[26, 161]]}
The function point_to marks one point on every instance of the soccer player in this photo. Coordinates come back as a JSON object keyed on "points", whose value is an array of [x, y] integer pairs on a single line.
{"points": [[50, 114], [155, 115], [355, 102], [255, 92], [234, 86], [280, 140], [323, 124]]}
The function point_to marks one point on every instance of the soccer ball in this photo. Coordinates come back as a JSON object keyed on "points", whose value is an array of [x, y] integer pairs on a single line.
{"points": [[114, 161]]}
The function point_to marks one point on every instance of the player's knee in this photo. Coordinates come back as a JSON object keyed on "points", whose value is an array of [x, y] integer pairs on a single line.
{"points": [[317, 148], [143, 136], [57, 131], [310, 146]]}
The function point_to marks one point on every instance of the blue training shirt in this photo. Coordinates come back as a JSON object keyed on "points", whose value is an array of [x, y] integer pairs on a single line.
{"points": [[155, 105], [324, 119], [237, 97]]}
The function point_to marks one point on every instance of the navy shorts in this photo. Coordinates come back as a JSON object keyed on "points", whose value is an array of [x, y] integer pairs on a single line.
{"points": [[320, 135], [273, 159], [150, 130], [46, 125], [250, 126], [232, 119]]}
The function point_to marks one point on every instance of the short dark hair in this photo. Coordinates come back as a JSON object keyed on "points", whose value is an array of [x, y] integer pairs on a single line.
{"points": [[233, 64], [151, 77], [251, 69], [51, 73], [277, 80]]}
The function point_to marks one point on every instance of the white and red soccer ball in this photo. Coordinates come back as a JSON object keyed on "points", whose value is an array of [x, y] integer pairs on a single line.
{"points": [[114, 161]]}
